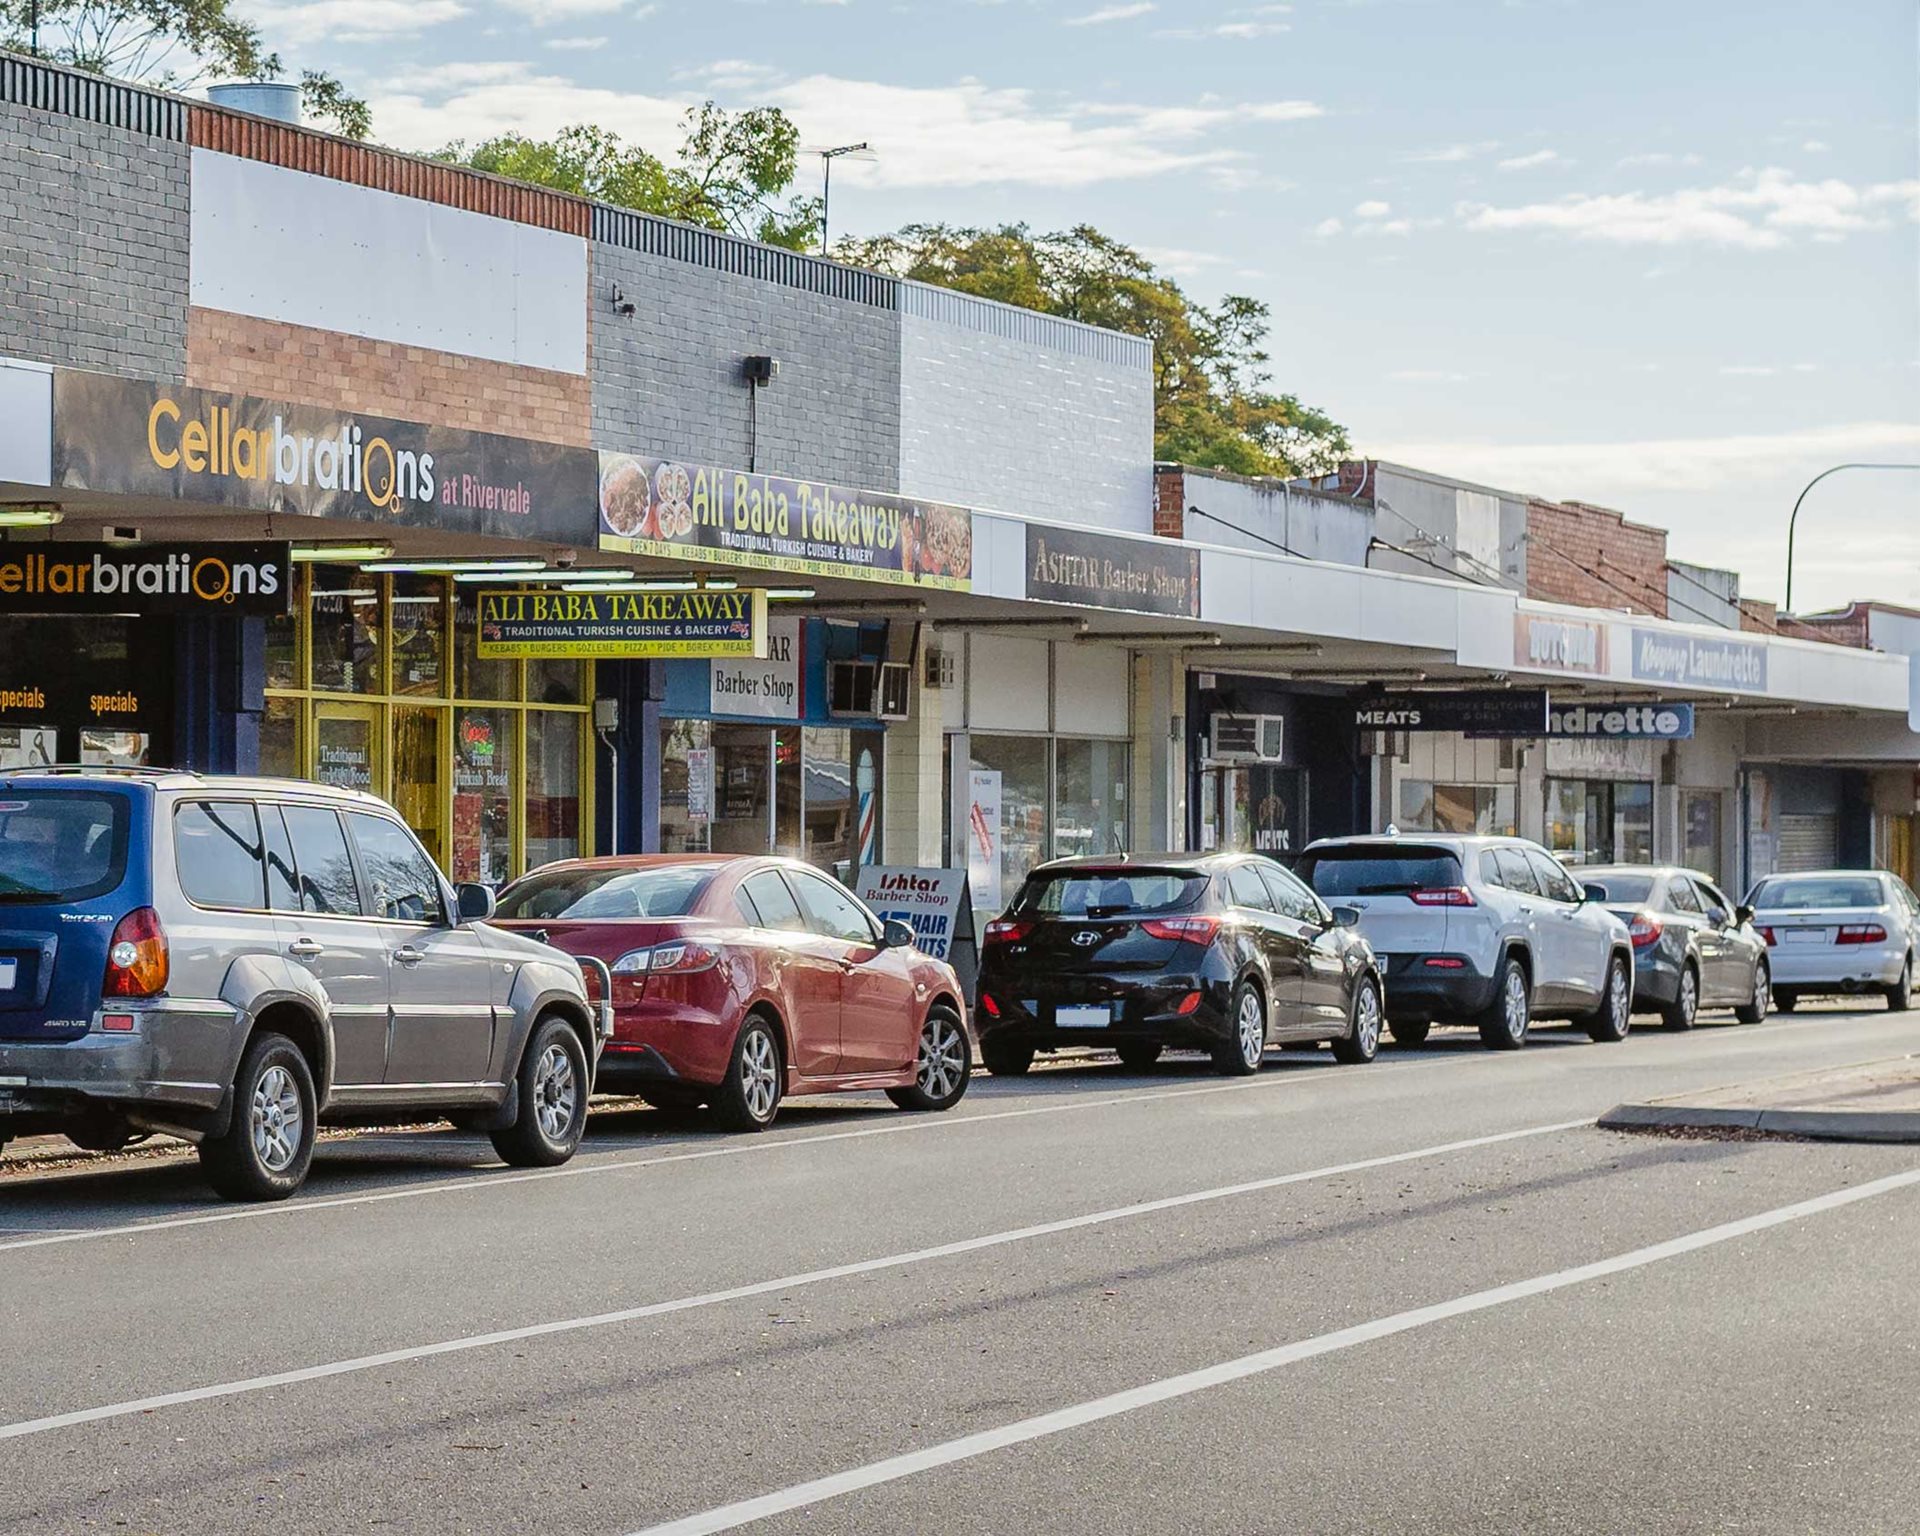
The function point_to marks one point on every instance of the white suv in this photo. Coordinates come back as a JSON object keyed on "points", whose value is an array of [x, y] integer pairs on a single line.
{"points": [[1488, 931]]}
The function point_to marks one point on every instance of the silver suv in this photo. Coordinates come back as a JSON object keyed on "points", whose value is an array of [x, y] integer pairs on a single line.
{"points": [[1490, 931], [234, 960]]}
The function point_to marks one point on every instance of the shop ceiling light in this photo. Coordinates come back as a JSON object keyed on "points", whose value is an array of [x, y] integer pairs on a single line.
{"points": [[452, 567], [720, 584], [351, 553], [630, 586], [30, 517], [536, 573], [788, 594]]}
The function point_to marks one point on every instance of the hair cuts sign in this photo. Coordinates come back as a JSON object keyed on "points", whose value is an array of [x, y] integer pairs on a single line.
{"points": [[729, 517], [605, 624], [144, 578], [134, 438]]}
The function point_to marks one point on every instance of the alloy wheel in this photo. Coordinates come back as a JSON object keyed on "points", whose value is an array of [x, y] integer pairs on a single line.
{"points": [[1619, 998], [1253, 1028], [1366, 1019], [1762, 987], [275, 1119], [555, 1092], [941, 1057], [1516, 1003], [760, 1074], [1689, 994]]}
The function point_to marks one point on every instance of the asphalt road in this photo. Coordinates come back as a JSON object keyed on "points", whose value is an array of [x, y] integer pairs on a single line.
{"points": [[1425, 1295]]}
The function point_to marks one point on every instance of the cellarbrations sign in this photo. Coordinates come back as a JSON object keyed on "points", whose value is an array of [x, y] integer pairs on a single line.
{"points": [[133, 437], [64, 577]]}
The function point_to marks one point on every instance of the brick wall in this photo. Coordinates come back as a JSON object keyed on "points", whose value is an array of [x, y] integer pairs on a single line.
{"points": [[244, 355], [1594, 558], [93, 245], [1757, 614], [667, 379], [1170, 501]]}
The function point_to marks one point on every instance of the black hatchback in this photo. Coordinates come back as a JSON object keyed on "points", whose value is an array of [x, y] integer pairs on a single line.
{"points": [[1225, 953]]}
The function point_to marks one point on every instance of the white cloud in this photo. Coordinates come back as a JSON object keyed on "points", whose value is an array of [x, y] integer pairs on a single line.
{"points": [[350, 20], [1326, 229], [1533, 161], [1816, 146], [1658, 157], [1373, 210], [545, 12], [1757, 210], [1452, 154], [964, 134], [1108, 13], [575, 44]]}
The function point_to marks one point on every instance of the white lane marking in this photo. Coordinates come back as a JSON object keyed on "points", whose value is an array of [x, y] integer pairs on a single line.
{"points": [[757, 1288], [729, 1517], [738, 1148]]}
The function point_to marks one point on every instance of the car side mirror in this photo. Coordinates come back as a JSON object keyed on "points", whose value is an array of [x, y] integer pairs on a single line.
{"points": [[1346, 917], [1593, 893], [1743, 913], [476, 903], [895, 934]]}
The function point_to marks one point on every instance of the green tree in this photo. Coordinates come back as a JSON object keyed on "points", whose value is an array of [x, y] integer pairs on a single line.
{"points": [[174, 45], [734, 172], [1213, 406]]}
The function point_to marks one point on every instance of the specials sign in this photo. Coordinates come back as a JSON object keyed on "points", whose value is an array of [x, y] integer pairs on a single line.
{"points": [[729, 517], [1100, 570], [131, 437], [623, 624], [145, 578]]}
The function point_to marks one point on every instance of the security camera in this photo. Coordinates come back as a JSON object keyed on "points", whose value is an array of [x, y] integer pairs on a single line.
{"points": [[565, 559], [622, 305]]}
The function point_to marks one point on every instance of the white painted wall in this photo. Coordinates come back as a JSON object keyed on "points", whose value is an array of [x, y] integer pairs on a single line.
{"points": [[308, 250], [26, 423]]}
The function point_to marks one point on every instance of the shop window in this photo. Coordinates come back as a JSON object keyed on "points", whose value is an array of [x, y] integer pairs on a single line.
{"points": [[552, 681], [742, 789], [417, 777], [830, 809], [419, 606], [1010, 773], [345, 630], [1599, 821], [1090, 797], [1478, 809], [474, 676], [1700, 830], [788, 790], [686, 786], [280, 738], [483, 795], [553, 787], [283, 651], [346, 746]]}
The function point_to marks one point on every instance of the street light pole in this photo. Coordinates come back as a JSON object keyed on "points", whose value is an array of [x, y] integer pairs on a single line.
{"points": [[1795, 517], [828, 156]]}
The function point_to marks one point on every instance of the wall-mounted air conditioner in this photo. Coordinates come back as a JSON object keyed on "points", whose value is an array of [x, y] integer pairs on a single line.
{"points": [[869, 690], [1246, 738]]}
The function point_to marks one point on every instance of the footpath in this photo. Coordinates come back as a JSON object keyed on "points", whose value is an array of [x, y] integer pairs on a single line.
{"points": [[1868, 1101]]}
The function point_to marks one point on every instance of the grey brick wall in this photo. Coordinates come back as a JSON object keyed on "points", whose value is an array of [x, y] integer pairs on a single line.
{"points": [[93, 245], [667, 381], [1023, 414]]}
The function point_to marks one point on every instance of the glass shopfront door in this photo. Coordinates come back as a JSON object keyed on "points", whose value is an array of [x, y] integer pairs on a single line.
{"points": [[346, 739]]}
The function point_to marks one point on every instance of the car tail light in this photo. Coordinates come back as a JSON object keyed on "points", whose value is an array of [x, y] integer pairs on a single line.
{"points": [[1767, 934], [1189, 930], [1188, 1003], [137, 957], [988, 1006], [1007, 930], [1646, 929], [1861, 933], [1446, 962], [1442, 896], [679, 958]]}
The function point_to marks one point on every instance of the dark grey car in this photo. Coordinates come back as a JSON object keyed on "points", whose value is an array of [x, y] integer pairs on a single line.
{"points": [[1692, 947], [234, 960]]}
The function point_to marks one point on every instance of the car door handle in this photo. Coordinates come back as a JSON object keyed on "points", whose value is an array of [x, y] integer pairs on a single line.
{"points": [[406, 954], [306, 949]]}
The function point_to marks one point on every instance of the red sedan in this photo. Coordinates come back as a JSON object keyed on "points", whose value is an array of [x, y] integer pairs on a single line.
{"points": [[739, 980]]}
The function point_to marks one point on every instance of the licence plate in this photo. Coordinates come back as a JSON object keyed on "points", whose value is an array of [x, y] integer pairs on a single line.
{"points": [[1082, 1016], [9, 974], [1804, 935]]}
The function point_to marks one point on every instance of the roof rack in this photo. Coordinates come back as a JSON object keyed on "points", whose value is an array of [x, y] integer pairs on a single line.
{"points": [[126, 770]]}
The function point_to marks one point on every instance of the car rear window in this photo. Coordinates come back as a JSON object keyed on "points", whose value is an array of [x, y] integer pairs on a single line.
{"points": [[1110, 893], [1364, 871], [1623, 888], [632, 893], [1803, 892], [60, 845]]}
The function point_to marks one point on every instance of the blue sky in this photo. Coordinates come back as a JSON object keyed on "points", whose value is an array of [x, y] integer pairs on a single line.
{"points": [[1660, 256]]}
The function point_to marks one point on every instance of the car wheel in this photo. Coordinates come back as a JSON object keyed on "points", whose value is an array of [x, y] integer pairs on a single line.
{"points": [[1785, 999], [551, 1099], [1361, 1043], [1678, 1014], [1614, 1017], [268, 1147], [1754, 1009], [1900, 994], [1409, 1031], [945, 1060], [1503, 1027], [1005, 1059], [750, 1097], [1241, 1053], [1138, 1055]]}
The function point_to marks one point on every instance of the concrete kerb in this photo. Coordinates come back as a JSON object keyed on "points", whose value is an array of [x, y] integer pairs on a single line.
{"points": [[1793, 1107]]}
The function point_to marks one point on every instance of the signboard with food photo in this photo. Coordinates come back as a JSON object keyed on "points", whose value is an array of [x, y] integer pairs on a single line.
{"points": [[730, 517]]}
